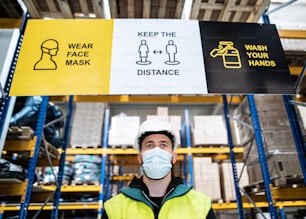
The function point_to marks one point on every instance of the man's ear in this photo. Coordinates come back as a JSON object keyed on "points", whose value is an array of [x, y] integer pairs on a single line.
{"points": [[139, 158], [174, 157]]}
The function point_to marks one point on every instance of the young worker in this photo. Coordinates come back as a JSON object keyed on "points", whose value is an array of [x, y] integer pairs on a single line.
{"points": [[158, 194]]}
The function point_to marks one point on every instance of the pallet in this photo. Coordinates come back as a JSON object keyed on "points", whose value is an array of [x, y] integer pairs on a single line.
{"points": [[85, 146], [210, 146], [53, 152], [286, 182], [120, 146], [84, 183], [20, 133]]}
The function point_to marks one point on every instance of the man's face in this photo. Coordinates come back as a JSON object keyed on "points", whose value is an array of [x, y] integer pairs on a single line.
{"points": [[157, 140]]}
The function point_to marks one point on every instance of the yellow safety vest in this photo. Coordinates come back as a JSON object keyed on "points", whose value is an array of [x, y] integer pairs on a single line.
{"points": [[191, 205]]}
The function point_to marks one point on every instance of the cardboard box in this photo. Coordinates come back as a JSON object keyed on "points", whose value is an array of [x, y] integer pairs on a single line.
{"points": [[207, 177], [227, 180]]}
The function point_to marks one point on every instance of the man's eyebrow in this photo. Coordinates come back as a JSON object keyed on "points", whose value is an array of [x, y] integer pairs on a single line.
{"points": [[150, 141]]}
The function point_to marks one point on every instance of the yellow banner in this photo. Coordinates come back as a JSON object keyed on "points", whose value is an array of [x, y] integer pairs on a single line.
{"points": [[64, 57]]}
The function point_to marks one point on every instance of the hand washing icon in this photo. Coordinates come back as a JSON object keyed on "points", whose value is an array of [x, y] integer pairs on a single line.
{"points": [[230, 55]]}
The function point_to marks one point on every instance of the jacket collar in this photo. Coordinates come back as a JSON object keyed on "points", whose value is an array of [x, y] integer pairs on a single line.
{"points": [[137, 187], [139, 184]]}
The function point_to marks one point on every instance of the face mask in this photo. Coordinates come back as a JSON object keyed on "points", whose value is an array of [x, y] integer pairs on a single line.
{"points": [[156, 163]]}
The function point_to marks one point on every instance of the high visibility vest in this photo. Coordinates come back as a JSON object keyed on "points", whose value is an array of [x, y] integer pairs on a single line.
{"points": [[191, 205]]}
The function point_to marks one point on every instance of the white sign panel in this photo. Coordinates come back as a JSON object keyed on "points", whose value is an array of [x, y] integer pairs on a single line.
{"points": [[157, 57]]}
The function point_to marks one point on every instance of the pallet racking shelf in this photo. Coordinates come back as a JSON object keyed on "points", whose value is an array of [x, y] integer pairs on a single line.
{"points": [[277, 197]]}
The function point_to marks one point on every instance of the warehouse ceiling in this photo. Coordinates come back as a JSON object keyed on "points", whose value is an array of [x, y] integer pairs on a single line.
{"points": [[214, 10], [286, 14]]}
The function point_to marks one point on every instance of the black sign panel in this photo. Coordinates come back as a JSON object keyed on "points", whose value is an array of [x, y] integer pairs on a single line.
{"points": [[244, 58]]}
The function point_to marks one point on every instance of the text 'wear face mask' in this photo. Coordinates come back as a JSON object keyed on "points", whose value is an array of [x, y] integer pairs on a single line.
{"points": [[156, 163]]}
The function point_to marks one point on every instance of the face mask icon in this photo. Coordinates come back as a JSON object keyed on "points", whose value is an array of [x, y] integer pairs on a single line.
{"points": [[230, 55], [49, 48]]}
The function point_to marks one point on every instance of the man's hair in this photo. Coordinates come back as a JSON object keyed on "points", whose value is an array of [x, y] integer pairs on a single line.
{"points": [[144, 135]]}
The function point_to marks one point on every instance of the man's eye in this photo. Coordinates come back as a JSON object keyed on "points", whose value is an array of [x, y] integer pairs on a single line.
{"points": [[150, 146], [163, 145]]}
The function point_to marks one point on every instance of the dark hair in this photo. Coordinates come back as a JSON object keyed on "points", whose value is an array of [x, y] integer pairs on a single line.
{"points": [[144, 135]]}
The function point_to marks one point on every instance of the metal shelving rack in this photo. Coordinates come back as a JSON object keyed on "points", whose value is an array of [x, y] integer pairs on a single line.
{"points": [[233, 159], [57, 194], [33, 160], [262, 157], [5, 103], [109, 151]]}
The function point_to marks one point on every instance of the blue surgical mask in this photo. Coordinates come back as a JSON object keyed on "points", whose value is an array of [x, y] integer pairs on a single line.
{"points": [[156, 163]]}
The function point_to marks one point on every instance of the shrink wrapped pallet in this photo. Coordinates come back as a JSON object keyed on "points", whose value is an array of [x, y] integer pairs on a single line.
{"points": [[87, 124], [284, 169], [209, 129], [123, 130]]}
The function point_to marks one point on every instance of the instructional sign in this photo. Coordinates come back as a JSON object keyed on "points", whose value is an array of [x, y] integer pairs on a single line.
{"points": [[61, 57], [245, 58], [149, 56], [157, 57]]}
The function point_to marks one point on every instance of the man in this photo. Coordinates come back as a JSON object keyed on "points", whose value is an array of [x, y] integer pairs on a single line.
{"points": [[158, 194]]}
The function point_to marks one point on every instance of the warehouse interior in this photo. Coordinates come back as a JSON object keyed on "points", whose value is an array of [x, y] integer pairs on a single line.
{"points": [[68, 164]]}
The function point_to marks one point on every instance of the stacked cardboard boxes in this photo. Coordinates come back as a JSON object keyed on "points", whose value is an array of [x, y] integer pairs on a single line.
{"points": [[227, 179], [278, 141], [216, 179], [207, 177]]}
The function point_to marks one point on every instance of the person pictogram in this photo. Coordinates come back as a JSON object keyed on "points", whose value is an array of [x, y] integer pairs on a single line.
{"points": [[143, 51], [171, 50], [49, 48]]}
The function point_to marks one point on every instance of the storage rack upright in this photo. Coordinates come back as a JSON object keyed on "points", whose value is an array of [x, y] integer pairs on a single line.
{"points": [[6, 101]]}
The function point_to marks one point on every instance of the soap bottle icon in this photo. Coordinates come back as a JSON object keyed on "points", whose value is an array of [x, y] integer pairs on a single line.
{"points": [[230, 55]]}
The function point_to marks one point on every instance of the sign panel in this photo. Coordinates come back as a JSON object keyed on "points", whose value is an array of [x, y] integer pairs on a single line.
{"points": [[149, 56], [157, 57], [244, 58], [60, 57]]}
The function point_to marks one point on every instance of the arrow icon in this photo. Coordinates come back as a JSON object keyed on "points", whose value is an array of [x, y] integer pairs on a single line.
{"points": [[157, 52]]}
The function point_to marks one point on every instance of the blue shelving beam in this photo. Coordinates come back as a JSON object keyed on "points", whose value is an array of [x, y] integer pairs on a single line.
{"points": [[61, 167], [103, 164], [6, 99], [183, 145], [262, 156], [188, 144], [232, 157], [107, 185], [33, 160], [297, 133]]}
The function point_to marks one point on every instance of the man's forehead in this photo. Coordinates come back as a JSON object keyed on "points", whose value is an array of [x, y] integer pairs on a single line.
{"points": [[158, 137]]}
